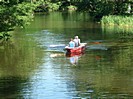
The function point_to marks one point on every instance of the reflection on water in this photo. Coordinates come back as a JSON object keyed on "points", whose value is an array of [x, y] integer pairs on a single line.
{"points": [[34, 65], [74, 60], [11, 87], [74, 57]]}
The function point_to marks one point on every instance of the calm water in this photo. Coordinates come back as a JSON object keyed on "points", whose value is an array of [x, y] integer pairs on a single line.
{"points": [[33, 64]]}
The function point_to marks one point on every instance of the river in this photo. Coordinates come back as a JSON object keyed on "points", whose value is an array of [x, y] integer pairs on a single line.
{"points": [[33, 64]]}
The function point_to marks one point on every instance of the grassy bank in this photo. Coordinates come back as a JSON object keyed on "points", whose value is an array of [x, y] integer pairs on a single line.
{"points": [[118, 24], [121, 21]]}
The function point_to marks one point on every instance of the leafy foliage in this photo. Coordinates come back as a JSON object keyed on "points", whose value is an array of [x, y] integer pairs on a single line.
{"points": [[96, 8], [100, 8], [15, 14], [23, 13]]}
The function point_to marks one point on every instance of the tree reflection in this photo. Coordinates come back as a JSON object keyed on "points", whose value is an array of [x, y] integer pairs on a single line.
{"points": [[11, 87]]}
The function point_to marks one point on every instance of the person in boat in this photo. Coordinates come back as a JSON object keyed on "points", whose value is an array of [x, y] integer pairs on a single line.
{"points": [[71, 43], [77, 41]]}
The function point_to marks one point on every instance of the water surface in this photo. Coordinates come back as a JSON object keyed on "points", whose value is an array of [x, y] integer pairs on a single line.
{"points": [[34, 65]]}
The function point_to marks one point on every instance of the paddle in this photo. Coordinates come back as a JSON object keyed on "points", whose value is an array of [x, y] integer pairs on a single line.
{"points": [[59, 45]]}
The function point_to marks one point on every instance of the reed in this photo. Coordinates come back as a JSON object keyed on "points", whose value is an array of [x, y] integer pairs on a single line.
{"points": [[121, 21]]}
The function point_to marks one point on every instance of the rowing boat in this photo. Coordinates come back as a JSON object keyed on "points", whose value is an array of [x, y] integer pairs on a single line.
{"points": [[75, 50]]}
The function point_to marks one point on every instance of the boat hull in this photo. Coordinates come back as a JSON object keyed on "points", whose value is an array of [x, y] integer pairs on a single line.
{"points": [[76, 50]]}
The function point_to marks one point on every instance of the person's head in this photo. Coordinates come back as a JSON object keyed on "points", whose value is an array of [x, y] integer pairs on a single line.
{"points": [[71, 39], [76, 37]]}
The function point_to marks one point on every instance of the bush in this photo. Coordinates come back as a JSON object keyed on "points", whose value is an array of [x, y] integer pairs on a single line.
{"points": [[71, 7]]}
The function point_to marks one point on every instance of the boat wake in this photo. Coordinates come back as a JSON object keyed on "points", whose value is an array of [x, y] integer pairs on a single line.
{"points": [[97, 47]]}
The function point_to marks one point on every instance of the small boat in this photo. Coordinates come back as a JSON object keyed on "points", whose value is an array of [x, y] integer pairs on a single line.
{"points": [[76, 50], [74, 54]]}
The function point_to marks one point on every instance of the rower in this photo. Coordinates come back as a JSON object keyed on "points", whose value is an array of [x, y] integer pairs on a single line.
{"points": [[71, 43], [77, 41]]}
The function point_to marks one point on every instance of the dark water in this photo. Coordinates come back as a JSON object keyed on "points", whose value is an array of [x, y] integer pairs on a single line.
{"points": [[33, 64]]}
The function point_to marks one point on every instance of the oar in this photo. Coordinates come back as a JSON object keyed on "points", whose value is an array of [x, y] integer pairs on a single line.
{"points": [[59, 45], [56, 55]]}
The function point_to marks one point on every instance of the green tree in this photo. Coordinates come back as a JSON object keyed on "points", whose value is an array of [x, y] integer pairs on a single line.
{"points": [[100, 8], [14, 13]]}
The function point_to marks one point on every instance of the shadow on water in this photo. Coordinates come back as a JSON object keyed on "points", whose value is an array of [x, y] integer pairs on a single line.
{"points": [[11, 87]]}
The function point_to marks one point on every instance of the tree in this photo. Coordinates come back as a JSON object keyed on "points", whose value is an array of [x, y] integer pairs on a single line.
{"points": [[14, 13]]}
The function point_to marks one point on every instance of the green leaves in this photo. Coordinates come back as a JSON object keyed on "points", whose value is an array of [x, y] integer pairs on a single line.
{"points": [[16, 15], [23, 14]]}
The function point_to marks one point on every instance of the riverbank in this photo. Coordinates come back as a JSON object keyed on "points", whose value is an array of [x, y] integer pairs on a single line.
{"points": [[122, 22]]}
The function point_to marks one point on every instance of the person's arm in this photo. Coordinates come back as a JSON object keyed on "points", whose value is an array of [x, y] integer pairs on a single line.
{"points": [[69, 44], [79, 42], [74, 43]]}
